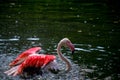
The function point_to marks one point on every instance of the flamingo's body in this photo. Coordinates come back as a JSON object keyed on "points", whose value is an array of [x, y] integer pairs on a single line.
{"points": [[30, 58]]}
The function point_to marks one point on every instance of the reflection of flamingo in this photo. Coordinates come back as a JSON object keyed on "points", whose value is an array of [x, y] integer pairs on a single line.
{"points": [[30, 59]]}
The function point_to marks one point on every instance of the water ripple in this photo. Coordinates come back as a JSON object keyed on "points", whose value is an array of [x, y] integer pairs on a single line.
{"points": [[89, 48], [33, 39], [81, 49], [17, 39], [11, 39]]}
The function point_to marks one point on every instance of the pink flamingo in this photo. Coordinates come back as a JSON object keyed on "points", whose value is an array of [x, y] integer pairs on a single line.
{"points": [[30, 58]]}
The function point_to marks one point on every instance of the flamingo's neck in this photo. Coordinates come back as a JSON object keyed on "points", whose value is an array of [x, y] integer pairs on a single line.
{"points": [[68, 65]]}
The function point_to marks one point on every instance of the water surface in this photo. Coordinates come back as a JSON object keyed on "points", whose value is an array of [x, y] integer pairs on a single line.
{"points": [[88, 25]]}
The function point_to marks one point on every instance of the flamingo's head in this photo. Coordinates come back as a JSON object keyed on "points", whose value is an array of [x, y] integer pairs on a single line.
{"points": [[67, 43]]}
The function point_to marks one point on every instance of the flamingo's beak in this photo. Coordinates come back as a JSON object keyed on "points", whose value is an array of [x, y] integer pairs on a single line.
{"points": [[73, 52], [71, 46]]}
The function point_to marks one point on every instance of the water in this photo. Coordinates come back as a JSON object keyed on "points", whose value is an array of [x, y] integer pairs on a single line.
{"points": [[88, 25]]}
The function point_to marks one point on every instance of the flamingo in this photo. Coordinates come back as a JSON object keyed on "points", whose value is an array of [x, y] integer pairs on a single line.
{"points": [[31, 59]]}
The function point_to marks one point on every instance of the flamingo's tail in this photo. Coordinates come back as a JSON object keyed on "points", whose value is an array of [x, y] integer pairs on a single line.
{"points": [[13, 71]]}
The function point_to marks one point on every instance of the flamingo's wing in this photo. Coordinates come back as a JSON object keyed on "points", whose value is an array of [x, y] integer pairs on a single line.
{"points": [[52, 66], [24, 55], [36, 61]]}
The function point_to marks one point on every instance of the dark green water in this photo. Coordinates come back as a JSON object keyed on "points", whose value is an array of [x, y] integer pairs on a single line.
{"points": [[90, 26]]}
